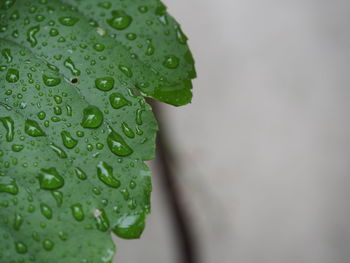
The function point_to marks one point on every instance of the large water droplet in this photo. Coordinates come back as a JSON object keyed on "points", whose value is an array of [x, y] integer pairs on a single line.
{"points": [[48, 244], [126, 70], [50, 179], [102, 221], [117, 145], [9, 126], [69, 64], [18, 221], [10, 188], [120, 20], [80, 173], [171, 62], [46, 211], [68, 140], [12, 75], [77, 212], [68, 20], [92, 117], [104, 84], [117, 100], [127, 130], [51, 81], [7, 54], [130, 227], [21, 248], [31, 35], [33, 129], [60, 152], [105, 174]]}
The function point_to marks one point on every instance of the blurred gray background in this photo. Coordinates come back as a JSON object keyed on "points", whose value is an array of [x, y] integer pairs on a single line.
{"points": [[264, 149]]}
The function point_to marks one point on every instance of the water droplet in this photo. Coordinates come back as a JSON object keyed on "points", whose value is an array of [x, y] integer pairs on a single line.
{"points": [[120, 20], [60, 152], [58, 197], [31, 35], [18, 221], [12, 75], [143, 9], [104, 84], [180, 36], [105, 5], [51, 81], [50, 179], [139, 116], [102, 221], [21, 248], [17, 147], [77, 212], [10, 188], [68, 140], [92, 117], [130, 226], [127, 130], [69, 64], [117, 100], [117, 145], [105, 174], [33, 129], [48, 244], [99, 47], [80, 173], [53, 32], [7, 54], [126, 70], [9, 126], [46, 211], [171, 62], [7, 4], [68, 20]]}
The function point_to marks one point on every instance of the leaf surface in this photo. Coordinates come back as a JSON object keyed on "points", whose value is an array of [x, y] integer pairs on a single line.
{"points": [[75, 129]]}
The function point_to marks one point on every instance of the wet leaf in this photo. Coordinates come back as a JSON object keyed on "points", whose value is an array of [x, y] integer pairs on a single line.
{"points": [[73, 133]]}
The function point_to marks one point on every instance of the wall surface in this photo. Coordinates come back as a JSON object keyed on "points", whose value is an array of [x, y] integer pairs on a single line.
{"points": [[265, 145]]}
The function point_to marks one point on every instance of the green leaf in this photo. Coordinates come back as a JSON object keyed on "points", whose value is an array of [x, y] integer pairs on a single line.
{"points": [[75, 129]]}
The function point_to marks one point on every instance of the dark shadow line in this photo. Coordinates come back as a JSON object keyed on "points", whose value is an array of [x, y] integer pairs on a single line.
{"points": [[185, 237]]}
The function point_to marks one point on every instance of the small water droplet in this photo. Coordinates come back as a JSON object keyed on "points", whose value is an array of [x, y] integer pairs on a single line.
{"points": [[80, 173]]}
